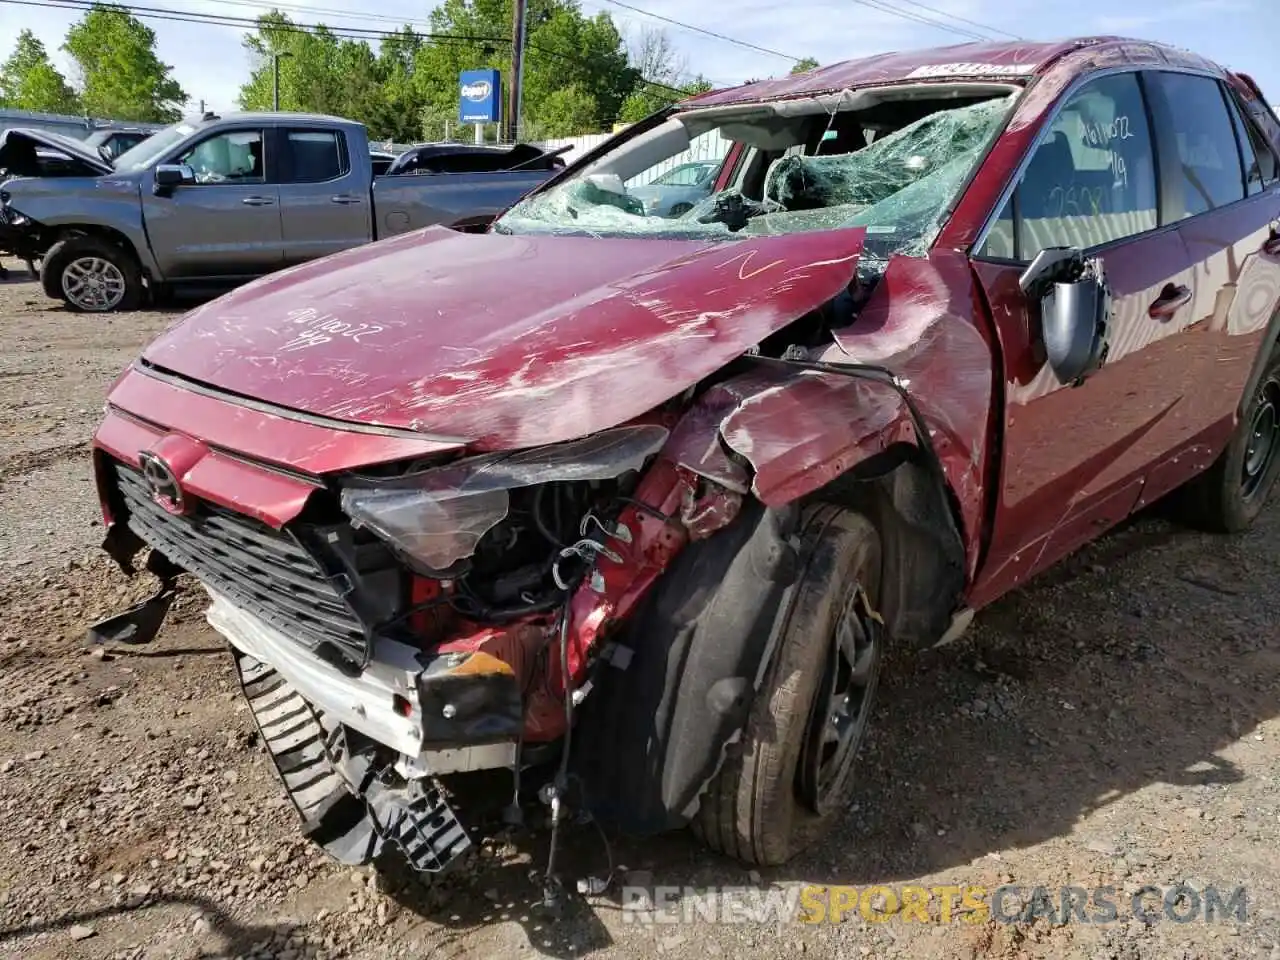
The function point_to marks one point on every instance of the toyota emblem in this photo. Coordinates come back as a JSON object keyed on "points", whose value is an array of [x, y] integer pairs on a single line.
{"points": [[163, 483]]}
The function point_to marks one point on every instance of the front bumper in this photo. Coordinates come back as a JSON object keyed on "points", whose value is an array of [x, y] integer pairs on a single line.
{"points": [[367, 702], [352, 803], [20, 236]]}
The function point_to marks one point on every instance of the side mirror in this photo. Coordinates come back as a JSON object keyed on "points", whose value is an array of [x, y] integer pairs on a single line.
{"points": [[1075, 311], [171, 175]]}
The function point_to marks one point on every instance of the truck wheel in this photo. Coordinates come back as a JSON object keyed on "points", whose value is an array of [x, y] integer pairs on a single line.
{"points": [[1228, 497], [792, 773], [91, 275]]}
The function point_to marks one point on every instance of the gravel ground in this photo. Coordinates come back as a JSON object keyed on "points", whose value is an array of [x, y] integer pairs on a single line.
{"points": [[1113, 723]]}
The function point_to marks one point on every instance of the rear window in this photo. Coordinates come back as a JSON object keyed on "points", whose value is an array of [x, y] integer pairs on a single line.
{"points": [[1261, 168], [314, 156]]}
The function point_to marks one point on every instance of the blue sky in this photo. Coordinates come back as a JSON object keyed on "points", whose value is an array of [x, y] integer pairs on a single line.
{"points": [[210, 62]]}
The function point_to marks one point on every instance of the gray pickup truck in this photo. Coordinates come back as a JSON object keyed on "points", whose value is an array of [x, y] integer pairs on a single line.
{"points": [[217, 201]]}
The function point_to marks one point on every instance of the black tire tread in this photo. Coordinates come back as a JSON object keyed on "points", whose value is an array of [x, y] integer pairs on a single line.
{"points": [[738, 815], [67, 249], [1212, 501]]}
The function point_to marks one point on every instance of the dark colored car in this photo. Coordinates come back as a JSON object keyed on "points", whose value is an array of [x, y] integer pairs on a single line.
{"points": [[474, 158], [111, 143], [381, 161], [634, 507]]}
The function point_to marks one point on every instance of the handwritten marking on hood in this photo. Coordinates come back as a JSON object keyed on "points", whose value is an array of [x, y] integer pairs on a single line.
{"points": [[746, 257], [318, 328]]}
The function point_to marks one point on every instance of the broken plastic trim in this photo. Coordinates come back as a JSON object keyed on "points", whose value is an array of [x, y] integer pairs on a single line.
{"points": [[437, 517], [885, 376], [139, 624], [351, 803]]}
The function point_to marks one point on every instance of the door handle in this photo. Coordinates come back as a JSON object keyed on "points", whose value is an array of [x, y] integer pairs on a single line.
{"points": [[1170, 301], [344, 198], [257, 201]]}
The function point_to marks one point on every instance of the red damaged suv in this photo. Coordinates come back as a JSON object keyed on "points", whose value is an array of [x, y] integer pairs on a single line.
{"points": [[634, 505]]}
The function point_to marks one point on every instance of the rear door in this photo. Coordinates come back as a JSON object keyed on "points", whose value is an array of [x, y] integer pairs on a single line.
{"points": [[1223, 185], [227, 223], [1075, 458], [324, 197]]}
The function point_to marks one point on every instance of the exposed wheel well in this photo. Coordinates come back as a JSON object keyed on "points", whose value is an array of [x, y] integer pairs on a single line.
{"points": [[106, 233], [923, 555]]}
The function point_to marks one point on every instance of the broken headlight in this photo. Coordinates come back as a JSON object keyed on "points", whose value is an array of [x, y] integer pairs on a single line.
{"points": [[436, 517]]}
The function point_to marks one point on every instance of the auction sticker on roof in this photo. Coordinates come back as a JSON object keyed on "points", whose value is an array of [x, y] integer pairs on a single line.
{"points": [[972, 70]]}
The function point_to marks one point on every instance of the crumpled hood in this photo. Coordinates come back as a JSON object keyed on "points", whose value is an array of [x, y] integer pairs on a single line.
{"points": [[14, 137], [505, 341]]}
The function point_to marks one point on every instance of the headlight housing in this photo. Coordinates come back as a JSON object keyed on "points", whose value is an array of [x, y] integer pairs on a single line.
{"points": [[438, 516]]}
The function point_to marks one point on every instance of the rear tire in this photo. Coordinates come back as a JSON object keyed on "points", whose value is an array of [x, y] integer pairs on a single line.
{"points": [[91, 275], [770, 799], [1228, 497]]}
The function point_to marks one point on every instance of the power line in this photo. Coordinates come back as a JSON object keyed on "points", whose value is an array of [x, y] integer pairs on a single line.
{"points": [[351, 33], [703, 31], [885, 7], [972, 23], [411, 22]]}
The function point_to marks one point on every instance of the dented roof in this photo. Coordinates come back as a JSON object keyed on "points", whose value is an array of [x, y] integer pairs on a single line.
{"points": [[1014, 60]]}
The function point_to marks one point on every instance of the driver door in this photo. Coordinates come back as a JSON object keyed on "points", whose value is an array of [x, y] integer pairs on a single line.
{"points": [[1075, 458], [225, 225]]}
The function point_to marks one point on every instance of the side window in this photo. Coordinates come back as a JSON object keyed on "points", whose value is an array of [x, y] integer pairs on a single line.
{"points": [[1207, 165], [232, 157], [315, 155], [1260, 163], [1248, 155], [684, 176], [1090, 179]]}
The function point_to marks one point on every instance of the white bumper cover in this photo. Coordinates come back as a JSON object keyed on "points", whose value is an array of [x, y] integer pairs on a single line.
{"points": [[364, 703]]}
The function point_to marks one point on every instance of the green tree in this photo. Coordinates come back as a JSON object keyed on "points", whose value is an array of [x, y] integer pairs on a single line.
{"points": [[323, 73], [121, 76], [436, 123], [566, 112], [319, 71], [805, 65], [29, 80], [660, 83], [579, 75], [397, 113], [647, 99], [564, 48]]}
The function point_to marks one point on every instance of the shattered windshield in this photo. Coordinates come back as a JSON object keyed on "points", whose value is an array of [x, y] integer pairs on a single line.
{"points": [[894, 171]]}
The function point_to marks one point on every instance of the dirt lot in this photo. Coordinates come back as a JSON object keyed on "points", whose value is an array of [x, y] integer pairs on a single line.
{"points": [[1113, 724]]}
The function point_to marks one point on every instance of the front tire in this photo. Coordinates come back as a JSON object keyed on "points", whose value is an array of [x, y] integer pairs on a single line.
{"points": [[91, 275], [793, 774], [1228, 497]]}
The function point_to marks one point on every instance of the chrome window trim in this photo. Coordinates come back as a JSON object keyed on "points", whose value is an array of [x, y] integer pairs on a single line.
{"points": [[994, 213]]}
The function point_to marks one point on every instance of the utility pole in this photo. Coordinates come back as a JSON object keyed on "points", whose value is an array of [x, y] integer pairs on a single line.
{"points": [[517, 70], [275, 87]]}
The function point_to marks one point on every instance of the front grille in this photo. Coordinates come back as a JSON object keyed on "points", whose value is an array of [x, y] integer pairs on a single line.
{"points": [[262, 569]]}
